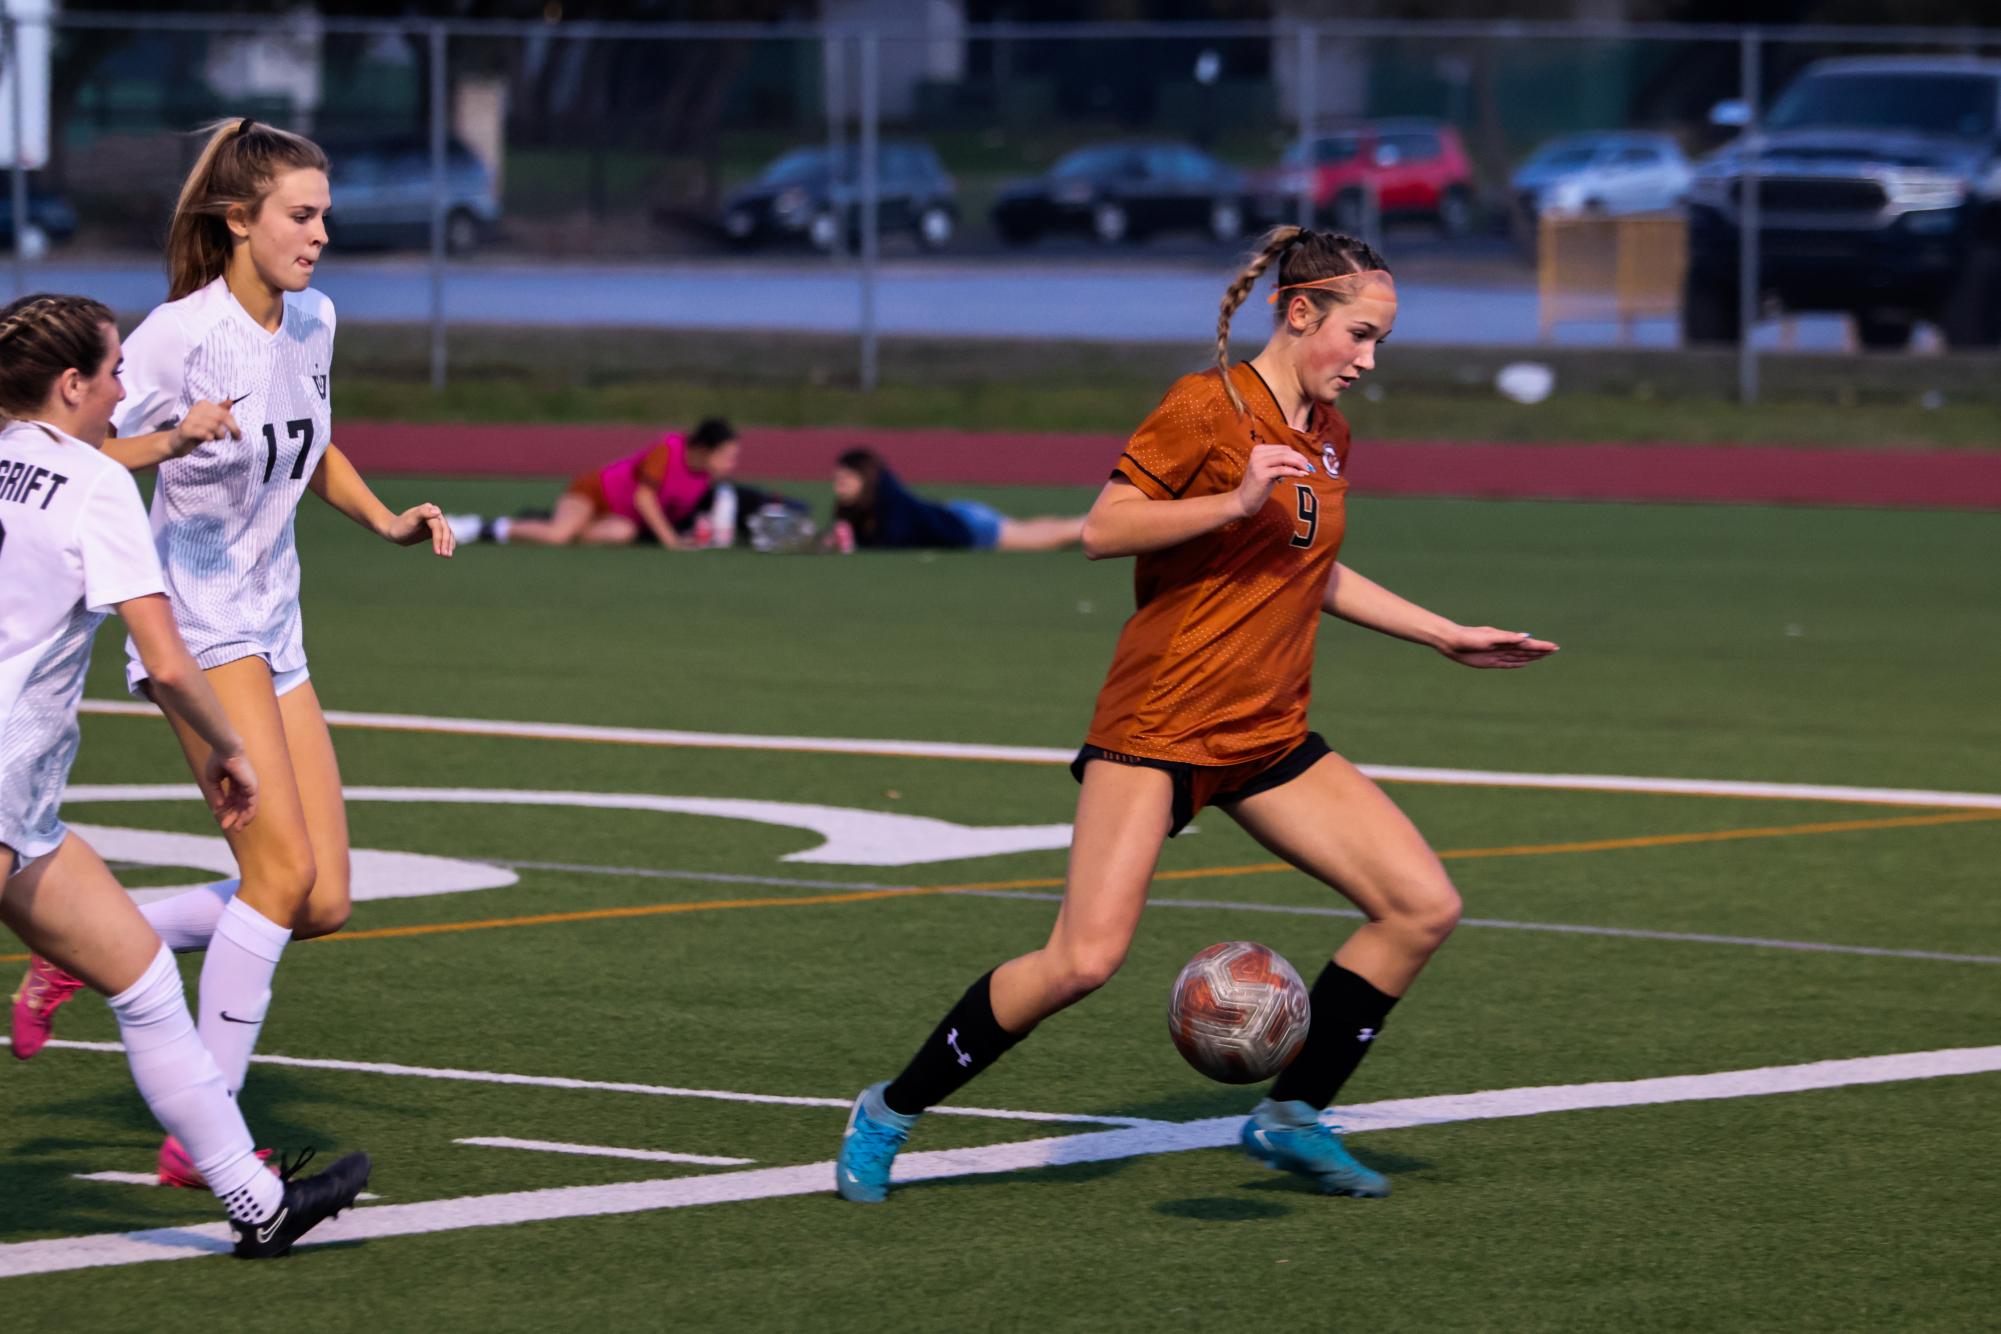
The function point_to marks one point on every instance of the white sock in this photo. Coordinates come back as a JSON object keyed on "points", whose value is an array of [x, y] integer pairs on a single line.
{"points": [[181, 1084], [498, 526], [186, 921], [236, 986]]}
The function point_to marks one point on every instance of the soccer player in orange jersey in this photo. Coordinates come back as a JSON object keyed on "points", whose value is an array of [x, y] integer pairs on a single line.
{"points": [[1232, 495]]}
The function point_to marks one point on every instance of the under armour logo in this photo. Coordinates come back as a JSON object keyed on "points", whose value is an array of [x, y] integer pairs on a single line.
{"points": [[1366, 1035], [952, 1041]]}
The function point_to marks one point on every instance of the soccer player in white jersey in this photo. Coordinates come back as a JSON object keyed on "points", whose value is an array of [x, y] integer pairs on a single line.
{"points": [[76, 547], [227, 394]]}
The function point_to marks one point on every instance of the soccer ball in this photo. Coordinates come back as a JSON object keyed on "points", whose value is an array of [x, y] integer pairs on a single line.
{"points": [[1239, 1012]]}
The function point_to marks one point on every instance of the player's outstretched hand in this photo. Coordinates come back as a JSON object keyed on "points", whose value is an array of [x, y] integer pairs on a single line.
{"points": [[1268, 464], [204, 422], [230, 788], [1484, 646], [423, 523]]}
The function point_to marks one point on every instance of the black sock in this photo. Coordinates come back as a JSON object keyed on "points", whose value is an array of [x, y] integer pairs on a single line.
{"points": [[1348, 1013], [967, 1040]]}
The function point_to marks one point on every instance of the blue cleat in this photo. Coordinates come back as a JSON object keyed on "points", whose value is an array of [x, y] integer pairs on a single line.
{"points": [[868, 1148], [1291, 1137]]}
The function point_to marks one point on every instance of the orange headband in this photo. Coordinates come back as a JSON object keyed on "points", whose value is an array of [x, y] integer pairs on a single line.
{"points": [[1338, 278]]}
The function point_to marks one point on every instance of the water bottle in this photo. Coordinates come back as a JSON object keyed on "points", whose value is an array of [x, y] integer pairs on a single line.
{"points": [[722, 513]]}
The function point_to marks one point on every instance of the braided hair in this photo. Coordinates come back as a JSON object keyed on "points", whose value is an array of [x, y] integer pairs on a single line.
{"points": [[238, 165], [1303, 256], [43, 335]]}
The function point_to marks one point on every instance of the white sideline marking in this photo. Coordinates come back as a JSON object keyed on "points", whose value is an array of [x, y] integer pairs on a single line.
{"points": [[602, 1151], [613, 1086], [851, 836], [1389, 773], [395, 1220], [152, 1179], [375, 874], [120, 1178], [1560, 928]]}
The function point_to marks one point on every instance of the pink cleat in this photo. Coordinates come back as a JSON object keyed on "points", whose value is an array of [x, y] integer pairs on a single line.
{"points": [[41, 993], [177, 1169]]}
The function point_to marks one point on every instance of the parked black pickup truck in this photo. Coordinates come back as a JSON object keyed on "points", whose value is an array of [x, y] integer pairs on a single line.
{"points": [[1879, 197]]}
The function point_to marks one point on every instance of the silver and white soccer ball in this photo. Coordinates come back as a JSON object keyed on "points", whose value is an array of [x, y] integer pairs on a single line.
{"points": [[1239, 1013]]}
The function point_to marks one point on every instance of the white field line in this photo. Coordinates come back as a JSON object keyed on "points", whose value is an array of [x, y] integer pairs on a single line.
{"points": [[396, 1220], [950, 750], [613, 1086], [153, 1179], [602, 1151], [1560, 928], [1297, 910], [707, 877]]}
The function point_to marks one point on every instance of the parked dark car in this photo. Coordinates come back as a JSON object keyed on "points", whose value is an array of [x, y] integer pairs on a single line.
{"points": [[1125, 192], [382, 194], [1879, 197], [49, 213], [807, 196]]}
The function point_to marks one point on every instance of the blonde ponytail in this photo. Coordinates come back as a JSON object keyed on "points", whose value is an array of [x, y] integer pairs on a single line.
{"points": [[1275, 243]]}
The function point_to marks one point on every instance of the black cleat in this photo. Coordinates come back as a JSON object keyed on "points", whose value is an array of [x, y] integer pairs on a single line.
{"points": [[306, 1205]]}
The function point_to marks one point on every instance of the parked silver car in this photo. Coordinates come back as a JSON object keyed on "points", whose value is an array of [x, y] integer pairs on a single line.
{"points": [[1612, 172], [382, 194]]}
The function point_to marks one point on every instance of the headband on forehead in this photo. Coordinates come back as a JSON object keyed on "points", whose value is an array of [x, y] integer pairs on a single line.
{"points": [[1359, 279]]}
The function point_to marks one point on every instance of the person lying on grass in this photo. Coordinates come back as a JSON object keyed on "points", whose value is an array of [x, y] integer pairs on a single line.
{"points": [[677, 493], [872, 508]]}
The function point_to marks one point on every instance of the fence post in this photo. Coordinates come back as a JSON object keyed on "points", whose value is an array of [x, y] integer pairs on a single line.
{"points": [[17, 177], [871, 109], [834, 55], [1747, 219], [1306, 99], [440, 86]]}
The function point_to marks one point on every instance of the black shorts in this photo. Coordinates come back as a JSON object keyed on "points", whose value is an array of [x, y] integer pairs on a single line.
{"points": [[1200, 785]]}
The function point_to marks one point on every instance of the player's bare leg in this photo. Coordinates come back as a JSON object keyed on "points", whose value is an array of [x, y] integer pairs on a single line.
{"points": [[610, 530], [274, 854], [563, 526], [1043, 534], [317, 772], [68, 908], [1123, 815], [1336, 825]]}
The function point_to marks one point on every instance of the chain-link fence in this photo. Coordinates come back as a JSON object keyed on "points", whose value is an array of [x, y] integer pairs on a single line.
{"points": [[1809, 193]]}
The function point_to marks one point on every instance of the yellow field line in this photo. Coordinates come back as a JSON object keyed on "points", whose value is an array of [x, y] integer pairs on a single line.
{"points": [[1195, 873]]}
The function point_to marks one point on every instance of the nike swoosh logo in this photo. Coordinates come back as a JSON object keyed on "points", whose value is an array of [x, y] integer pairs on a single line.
{"points": [[270, 1229], [229, 1018]]}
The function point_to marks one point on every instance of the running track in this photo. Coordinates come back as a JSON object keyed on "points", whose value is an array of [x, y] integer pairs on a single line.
{"points": [[1959, 479]]}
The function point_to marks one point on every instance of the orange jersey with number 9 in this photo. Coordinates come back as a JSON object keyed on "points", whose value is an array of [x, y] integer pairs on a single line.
{"points": [[1216, 664]]}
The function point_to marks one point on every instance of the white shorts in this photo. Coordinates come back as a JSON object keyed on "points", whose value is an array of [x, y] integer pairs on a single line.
{"points": [[282, 683], [32, 845]]}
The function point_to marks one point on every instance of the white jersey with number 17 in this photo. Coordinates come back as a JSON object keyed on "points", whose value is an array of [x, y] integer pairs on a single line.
{"points": [[222, 515]]}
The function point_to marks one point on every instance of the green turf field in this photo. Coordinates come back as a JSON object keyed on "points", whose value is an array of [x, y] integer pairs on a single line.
{"points": [[1786, 646]]}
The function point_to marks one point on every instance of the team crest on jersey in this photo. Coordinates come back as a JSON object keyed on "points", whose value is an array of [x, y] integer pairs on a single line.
{"points": [[1329, 459], [320, 383]]}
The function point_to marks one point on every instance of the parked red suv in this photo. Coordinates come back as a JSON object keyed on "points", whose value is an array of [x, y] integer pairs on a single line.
{"points": [[1415, 169]]}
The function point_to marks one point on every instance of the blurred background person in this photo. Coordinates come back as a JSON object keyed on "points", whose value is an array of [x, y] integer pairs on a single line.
{"points": [[873, 508], [675, 493]]}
